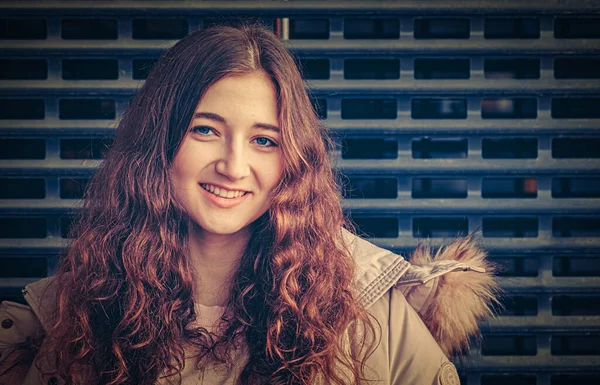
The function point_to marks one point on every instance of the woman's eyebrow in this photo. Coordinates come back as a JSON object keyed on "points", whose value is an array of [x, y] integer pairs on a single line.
{"points": [[266, 126], [210, 115], [220, 119]]}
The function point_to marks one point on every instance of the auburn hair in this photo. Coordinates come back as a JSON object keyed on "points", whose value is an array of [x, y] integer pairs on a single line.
{"points": [[125, 306]]}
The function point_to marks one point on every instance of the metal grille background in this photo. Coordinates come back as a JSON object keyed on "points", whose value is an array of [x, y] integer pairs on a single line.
{"points": [[450, 117]]}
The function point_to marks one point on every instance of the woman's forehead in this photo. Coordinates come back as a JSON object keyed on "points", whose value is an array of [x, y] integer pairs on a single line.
{"points": [[248, 96]]}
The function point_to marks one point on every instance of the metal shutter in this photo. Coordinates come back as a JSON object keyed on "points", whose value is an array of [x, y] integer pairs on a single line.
{"points": [[450, 117]]}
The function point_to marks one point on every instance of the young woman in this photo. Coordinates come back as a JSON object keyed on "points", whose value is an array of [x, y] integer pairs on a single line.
{"points": [[211, 249]]}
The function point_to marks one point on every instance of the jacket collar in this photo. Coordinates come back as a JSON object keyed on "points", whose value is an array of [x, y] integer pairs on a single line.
{"points": [[40, 296], [378, 270]]}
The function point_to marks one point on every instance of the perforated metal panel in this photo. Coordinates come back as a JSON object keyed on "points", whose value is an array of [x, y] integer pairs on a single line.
{"points": [[450, 117]]}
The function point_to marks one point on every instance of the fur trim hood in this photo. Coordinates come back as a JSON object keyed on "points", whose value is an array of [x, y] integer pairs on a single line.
{"points": [[453, 290]]}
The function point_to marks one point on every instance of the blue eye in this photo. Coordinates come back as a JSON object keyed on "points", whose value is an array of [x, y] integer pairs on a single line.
{"points": [[265, 142], [202, 130]]}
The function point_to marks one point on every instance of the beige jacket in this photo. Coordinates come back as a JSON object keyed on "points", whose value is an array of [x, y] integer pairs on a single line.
{"points": [[428, 309]]}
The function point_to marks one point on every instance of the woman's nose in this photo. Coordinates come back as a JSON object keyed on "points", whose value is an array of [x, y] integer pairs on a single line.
{"points": [[234, 163]]}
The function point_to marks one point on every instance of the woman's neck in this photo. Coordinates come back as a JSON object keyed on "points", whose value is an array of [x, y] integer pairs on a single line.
{"points": [[215, 258]]}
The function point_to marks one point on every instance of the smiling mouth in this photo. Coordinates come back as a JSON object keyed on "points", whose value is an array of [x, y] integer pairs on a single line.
{"points": [[220, 192]]}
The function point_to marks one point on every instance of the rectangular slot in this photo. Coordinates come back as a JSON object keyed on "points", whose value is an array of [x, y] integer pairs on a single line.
{"points": [[84, 148], [520, 305], [87, 109], [65, 223], [576, 187], [567, 266], [23, 69], [577, 27], [439, 188], [442, 68], [28, 109], [566, 227], [505, 108], [23, 29], [89, 29], [363, 148], [575, 345], [371, 69], [576, 305], [159, 28], [428, 148], [314, 69], [22, 148], [515, 227], [575, 148], [370, 188], [511, 28], [513, 379], [369, 109], [509, 345], [509, 188], [22, 228], [320, 107], [575, 68], [23, 267], [73, 188], [446, 108], [514, 148], [22, 188], [13, 294], [141, 68], [518, 266], [371, 28], [301, 28], [511, 68], [576, 108], [376, 227], [575, 379], [429, 227], [432, 28], [90, 69]]}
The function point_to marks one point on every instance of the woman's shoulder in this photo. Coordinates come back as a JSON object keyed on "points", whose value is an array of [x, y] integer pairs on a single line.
{"points": [[377, 269], [20, 333], [33, 316], [452, 290]]}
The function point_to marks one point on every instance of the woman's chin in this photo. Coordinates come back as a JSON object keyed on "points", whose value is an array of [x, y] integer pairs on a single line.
{"points": [[221, 230]]}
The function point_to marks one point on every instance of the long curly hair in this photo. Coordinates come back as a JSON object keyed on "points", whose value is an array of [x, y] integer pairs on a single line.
{"points": [[125, 306]]}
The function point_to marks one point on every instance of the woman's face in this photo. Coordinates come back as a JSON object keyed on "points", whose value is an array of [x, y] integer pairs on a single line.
{"points": [[230, 160]]}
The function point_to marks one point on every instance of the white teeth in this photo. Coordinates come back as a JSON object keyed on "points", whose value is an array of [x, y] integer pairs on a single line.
{"points": [[222, 192]]}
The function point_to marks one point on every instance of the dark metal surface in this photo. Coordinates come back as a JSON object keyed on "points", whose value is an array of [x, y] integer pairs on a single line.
{"points": [[539, 232]]}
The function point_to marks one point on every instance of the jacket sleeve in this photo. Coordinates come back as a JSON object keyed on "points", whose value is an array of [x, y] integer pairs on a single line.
{"points": [[19, 331], [453, 291]]}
